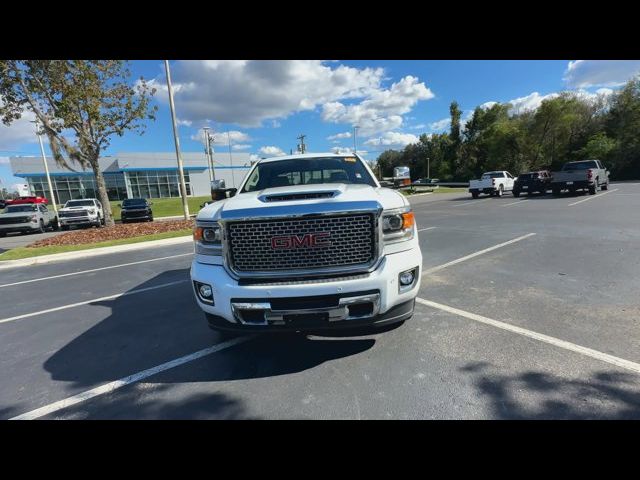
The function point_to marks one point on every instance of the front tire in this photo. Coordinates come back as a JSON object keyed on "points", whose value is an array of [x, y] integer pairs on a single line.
{"points": [[55, 225], [605, 186], [475, 194], [593, 189], [516, 193]]}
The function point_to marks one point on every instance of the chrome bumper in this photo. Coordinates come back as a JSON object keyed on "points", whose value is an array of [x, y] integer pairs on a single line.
{"points": [[334, 313]]}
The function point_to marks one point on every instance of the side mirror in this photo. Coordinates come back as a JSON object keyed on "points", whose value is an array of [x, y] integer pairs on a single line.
{"points": [[232, 192]]}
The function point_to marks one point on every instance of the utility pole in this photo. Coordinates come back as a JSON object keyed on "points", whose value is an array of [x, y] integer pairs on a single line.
{"points": [[46, 170], [428, 167], [210, 141], [183, 187], [207, 153], [233, 178], [302, 147], [355, 136]]}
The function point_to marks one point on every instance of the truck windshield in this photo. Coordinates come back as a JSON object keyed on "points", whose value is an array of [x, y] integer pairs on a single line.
{"points": [[79, 203], [20, 208], [134, 202], [580, 165], [308, 171]]}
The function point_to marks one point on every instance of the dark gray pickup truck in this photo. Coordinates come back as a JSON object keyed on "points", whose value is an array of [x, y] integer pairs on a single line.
{"points": [[583, 175]]}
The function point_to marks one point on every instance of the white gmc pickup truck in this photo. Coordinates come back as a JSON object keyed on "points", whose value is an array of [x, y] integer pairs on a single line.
{"points": [[307, 242]]}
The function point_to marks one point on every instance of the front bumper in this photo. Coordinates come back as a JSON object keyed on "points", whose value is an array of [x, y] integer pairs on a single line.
{"points": [[366, 299], [68, 221], [20, 227]]}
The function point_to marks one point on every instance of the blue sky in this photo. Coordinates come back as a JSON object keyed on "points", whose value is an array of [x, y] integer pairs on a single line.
{"points": [[265, 105]]}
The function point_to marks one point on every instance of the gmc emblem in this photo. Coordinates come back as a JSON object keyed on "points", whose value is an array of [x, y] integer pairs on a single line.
{"points": [[309, 240]]}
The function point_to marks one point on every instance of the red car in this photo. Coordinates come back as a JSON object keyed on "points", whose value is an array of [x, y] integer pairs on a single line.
{"points": [[30, 199]]}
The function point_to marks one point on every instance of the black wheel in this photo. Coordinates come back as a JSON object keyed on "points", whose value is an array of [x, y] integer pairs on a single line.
{"points": [[593, 189], [3, 234], [516, 193], [475, 194], [64, 228], [151, 219], [55, 225], [605, 186], [556, 192]]}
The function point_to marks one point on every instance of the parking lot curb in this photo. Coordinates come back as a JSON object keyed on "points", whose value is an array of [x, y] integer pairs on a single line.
{"points": [[94, 252]]}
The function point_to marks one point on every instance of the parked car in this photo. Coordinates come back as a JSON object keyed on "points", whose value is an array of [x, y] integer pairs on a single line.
{"points": [[492, 183], [27, 218], [85, 211], [135, 210], [426, 181], [27, 199], [532, 182], [308, 242], [582, 175]]}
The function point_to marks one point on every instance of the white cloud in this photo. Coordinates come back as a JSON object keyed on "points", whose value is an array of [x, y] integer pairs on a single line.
{"points": [[420, 126], [382, 109], [342, 150], [185, 123], [253, 157], [607, 73], [488, 105], [529, 102], [241, 146], [271, 151], [21, 131], [443, 124], [221, 138], [393, 139], [4, 160], [248, 92], [338, 136]]}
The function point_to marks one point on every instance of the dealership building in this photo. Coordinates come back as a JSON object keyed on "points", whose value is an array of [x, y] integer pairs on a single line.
{"points": [[131, 175]]}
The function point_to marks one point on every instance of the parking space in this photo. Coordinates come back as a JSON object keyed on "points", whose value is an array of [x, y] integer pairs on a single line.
{"points": [[545, 266], [15, 240]]}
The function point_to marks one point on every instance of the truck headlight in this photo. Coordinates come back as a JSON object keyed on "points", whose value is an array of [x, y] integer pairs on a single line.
{"points": [[398, 226], [92, 211], [208, 239]]}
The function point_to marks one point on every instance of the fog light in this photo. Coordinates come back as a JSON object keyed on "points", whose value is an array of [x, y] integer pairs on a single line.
{"points": [[205, 292], [406, 278]]}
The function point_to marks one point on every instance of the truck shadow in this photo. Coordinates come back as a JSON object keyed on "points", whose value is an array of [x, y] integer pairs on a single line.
{"points": [[143, 330], [611, 395]]}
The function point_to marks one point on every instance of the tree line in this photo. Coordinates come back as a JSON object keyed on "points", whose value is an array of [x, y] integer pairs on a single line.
{"points": [[567, 127]]}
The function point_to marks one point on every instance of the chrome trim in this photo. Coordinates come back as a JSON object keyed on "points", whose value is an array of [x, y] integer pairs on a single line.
{"points": [[276, 317], [273, 212]]}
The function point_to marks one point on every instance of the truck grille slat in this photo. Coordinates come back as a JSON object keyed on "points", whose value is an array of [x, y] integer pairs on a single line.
{"points": [[351, 237]]}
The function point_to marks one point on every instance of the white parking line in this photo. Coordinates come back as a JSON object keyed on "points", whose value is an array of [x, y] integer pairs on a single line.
{"points": [[592, 197], [515, 203], [123, 382], [473, 255], [428, 228], [93, 270], [472, 202], [604, 357], [86, 302]]}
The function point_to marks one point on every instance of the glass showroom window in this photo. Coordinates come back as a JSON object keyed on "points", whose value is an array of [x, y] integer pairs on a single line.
{"points": [[156, 183]]}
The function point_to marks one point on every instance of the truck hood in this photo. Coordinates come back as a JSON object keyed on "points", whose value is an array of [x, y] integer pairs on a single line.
{"points": [[273, 202]]}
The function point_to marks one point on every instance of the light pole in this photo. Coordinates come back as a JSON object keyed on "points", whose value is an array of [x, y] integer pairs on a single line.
{"points": [[46, 170], [233, 178], [183, 187], [355, 136], [428, 167], [207, 153]]}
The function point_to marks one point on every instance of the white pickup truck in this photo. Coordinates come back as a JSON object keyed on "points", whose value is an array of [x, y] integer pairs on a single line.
{"points": [[27, 218], [492, 183], [85, 211], [307, 242]]}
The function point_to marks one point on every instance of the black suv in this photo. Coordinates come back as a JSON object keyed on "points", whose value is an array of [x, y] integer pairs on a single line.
{"points": [[136, 209], [532, 182]]}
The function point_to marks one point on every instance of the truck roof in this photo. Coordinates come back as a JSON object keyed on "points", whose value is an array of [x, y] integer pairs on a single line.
{"points": [[302, 156]]}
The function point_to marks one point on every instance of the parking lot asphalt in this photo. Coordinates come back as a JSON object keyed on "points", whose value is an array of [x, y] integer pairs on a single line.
{"points": [[15, 240], [528, 309]]}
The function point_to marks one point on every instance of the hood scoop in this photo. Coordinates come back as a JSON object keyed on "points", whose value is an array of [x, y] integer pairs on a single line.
{"points": [[285, 197]]}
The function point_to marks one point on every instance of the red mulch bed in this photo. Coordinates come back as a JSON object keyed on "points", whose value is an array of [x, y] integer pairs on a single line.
{"points": [[82, 236]]}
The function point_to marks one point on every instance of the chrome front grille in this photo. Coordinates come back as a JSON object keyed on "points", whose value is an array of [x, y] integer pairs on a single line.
{"points": [[78, 213], [347, 241]]}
